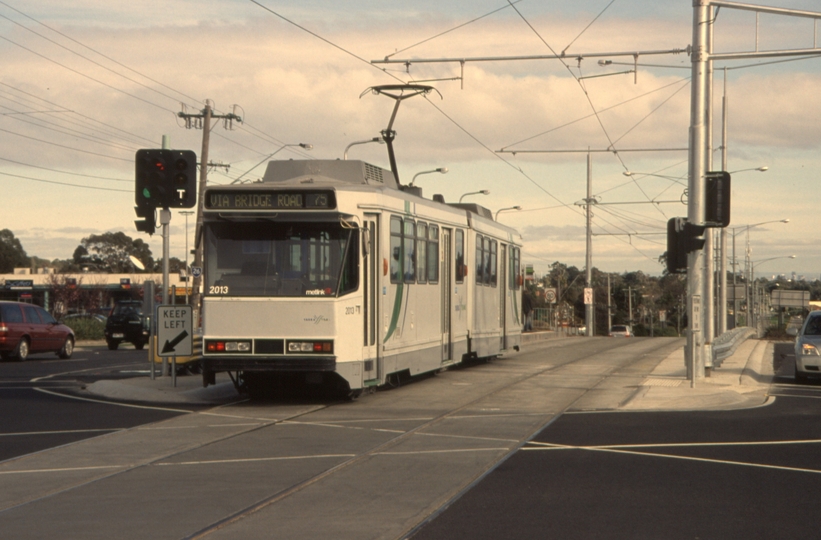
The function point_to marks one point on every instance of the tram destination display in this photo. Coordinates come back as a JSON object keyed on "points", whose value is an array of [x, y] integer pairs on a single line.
{"points": [[269, 200]]}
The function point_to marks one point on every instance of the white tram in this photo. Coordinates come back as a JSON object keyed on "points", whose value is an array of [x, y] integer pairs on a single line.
{"points": [[331, 272]]}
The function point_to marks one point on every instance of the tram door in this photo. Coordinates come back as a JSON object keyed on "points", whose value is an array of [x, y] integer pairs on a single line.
{"points": [[503, 294], [370, 278], [446, 279]]}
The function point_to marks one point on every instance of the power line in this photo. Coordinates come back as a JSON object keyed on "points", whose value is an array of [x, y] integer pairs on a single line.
{"points": [[66, 172], [86, 76], [66, 184], [96, 52], [64, 146]]}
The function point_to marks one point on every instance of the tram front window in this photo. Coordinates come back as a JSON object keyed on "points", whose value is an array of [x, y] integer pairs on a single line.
{"points": [[280, 259]]}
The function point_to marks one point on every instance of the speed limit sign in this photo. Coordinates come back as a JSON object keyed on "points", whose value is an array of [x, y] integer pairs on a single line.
{"points": [[550, 296]]}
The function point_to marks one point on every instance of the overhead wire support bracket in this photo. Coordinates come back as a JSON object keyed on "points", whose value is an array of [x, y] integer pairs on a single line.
{"points": [[462, 60], [397, 93]]}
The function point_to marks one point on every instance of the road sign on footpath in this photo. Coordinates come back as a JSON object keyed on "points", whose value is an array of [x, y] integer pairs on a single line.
{"points": [[175, 330]]}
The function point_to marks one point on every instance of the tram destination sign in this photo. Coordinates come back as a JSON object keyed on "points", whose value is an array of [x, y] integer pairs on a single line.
{"points": [[258, 199]]}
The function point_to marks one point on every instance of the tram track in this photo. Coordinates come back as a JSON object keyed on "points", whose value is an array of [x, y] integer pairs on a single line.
{"points": [[386, 446], [393, 459]]}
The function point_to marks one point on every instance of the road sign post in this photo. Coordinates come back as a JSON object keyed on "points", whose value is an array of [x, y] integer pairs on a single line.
{"points": [[174, 333]]}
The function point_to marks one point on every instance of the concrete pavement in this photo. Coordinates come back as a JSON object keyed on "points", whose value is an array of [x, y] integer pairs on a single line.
{"points": [[742, 381]]}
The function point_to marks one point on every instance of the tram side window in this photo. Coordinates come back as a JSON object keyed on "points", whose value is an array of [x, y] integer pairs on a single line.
{"points": [[421, 250], [511, 268], [517, 267], [459, 245], [396, 249], [480, 257], [493, 251], [349, 280], [486, 260], [433, 254], [409, 265]]}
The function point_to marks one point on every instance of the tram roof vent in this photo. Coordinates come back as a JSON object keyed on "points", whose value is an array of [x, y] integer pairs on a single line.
{"points": [[328, 171], [475, 208]]}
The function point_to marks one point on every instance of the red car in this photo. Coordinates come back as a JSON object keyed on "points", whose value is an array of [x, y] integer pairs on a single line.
{"points": [[26, 328]]}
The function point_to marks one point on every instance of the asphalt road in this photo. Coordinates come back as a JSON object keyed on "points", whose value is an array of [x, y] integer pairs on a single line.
{"points": [[37, 415], [752, 473]]}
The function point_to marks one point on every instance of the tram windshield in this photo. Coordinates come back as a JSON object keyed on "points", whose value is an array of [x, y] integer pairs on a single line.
{"points": [[263, 258]]}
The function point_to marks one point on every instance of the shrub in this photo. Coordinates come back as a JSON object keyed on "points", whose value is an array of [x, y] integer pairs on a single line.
{"points": [[87, 329]]}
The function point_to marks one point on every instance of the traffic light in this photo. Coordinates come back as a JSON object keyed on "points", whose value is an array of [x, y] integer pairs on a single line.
{"points": [[149, 223], [717, 199], [166, 178], [682, 238]]}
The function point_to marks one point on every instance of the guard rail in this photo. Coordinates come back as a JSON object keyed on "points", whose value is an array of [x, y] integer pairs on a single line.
{"points": [[725, 345]]}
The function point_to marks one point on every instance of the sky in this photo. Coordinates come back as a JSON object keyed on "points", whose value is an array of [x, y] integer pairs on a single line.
{"points": [[86, 84]]}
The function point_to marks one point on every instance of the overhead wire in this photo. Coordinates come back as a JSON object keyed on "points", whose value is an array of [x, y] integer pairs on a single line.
{"points": [[440, 34], [440, 110], [596, 18]]}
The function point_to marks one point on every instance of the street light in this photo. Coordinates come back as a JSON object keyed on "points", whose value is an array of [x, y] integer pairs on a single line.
{"points": [[756, 297], [481, 192], [306, 146], [746, 260], [499, 211], [763, 168], [443, 170], [378, 140]]}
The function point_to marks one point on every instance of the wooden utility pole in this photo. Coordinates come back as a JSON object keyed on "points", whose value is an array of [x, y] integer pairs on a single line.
{"points": [[202, 120]]}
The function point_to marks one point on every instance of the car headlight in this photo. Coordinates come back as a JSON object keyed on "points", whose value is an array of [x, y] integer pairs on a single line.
{"points": [[809, 349]]}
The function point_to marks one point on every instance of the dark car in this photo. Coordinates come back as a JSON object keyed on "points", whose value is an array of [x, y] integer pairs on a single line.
{"points": [[26, 328], [126, 323]]}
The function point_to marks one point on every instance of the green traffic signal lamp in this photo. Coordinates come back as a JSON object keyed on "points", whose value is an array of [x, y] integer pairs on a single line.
{"points": [[166, 178]]}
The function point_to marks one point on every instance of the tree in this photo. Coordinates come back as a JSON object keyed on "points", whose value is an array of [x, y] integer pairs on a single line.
{"points": [[109, 252], [12, 254]]}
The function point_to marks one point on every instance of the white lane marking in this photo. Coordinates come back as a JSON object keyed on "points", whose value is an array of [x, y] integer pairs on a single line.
{"points": [[172, 428], [252, 460], [451, 451], [113, 402], [497, 439], [60, 432], [66, 469], [421, 419], [669, 445], [621, 450]]}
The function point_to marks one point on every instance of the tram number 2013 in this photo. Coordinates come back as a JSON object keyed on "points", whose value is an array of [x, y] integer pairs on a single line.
{"points": [[352, 310], [218, 289]]}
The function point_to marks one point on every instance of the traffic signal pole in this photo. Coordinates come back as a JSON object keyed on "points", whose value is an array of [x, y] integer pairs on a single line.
{"points": [[694, 350]]}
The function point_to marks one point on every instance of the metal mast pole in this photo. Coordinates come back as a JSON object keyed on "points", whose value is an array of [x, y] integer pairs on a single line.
{"points": [[722, 267], [609, 306], [588, 308], [694, 351], [708, 304]]}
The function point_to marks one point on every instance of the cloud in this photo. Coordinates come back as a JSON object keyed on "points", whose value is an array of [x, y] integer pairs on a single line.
{"points": [[293, 87]]}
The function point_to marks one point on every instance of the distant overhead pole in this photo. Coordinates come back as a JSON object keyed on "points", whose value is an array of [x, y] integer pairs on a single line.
{"points": [[202, 120]]}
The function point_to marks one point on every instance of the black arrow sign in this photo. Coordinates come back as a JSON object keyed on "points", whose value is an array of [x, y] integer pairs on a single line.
{"points": [[169, 345]]}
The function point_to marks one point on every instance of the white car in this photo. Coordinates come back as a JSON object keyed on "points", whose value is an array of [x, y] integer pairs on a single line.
{"points": [[808, 348], [620, 330]]}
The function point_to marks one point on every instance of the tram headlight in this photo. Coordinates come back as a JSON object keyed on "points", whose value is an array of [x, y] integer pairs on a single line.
{"points": [[311, 347]]}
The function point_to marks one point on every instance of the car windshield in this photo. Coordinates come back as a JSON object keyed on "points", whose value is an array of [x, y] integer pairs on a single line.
{"points": [[813, 327], [619, 329], [127, 309], [280, 259]]}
